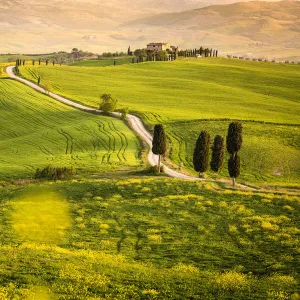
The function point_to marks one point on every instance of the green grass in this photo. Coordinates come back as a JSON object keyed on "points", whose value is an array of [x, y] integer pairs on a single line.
{"points": [[270, 153], [4, 58], [37, 131], [102, 62], [2, 70], [187, 90], [149, 239]]}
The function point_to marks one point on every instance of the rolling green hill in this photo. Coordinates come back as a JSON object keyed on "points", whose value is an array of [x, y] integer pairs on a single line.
{"points": [[186, 89], [102, 62], [37, 131], [147, 239], [176, 93]]}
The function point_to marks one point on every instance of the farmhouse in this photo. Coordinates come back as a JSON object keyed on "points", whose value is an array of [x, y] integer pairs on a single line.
{"points": [[158, 46]]}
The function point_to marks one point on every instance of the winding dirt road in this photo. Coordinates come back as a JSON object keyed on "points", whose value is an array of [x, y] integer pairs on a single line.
{"points": [[135, 122]]}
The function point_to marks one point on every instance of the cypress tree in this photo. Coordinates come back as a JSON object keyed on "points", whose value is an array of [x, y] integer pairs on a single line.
{"points": [[39, 62], [234, 167], [159, 143], [217, 53], [234, 142], [214, 53], [201, 50], [33, 62], [47, 61], [23, 62], [39, 80], [201, 152], [234, 137], [53, 62], [217, 159]]}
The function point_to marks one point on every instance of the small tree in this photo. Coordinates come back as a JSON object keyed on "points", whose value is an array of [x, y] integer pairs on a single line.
{"points": [[159, 143], [217, 159], [201, 152], [234, 142], [109, 104], [234, 167]]}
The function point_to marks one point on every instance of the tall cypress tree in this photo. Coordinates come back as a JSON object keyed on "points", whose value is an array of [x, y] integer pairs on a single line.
{"points": [[201, 152], [159, 143], [234, 141], [234, 138], [217, 159]]}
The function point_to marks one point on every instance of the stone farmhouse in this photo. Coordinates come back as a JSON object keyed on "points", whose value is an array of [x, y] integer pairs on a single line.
{"points": [[158, 46]]}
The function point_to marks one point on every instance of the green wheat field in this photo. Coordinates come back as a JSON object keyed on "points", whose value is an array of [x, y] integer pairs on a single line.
{"points": [[197, 94], [117, 231]]}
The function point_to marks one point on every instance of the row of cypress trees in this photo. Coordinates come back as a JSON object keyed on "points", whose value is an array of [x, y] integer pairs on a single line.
{"points": [[233, 144], [201, 156]]}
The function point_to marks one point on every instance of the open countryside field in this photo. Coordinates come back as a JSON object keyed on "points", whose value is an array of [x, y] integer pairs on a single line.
{"points": [[270, 153], [102, 62], [13, 57], [147, 239], [37, 131], [186, 89], [175, 93]]}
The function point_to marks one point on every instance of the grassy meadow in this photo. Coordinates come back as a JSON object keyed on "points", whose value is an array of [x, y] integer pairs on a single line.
{"points": [[6, 58], [37, 131], [147, 239], [186, 95], [186, 89], [102, 62], [270, 152]]}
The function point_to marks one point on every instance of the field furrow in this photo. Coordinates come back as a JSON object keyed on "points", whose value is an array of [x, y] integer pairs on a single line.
{"points": [[36, 131]]}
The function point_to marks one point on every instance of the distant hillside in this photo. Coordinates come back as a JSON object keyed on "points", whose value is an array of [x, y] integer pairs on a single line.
{"points": [[255, 27], [260, 28]]}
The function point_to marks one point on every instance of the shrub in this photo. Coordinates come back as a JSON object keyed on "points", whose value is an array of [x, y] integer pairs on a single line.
{"points": [[109, 104], [54, 173], [124, 112], [155, 170]]}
